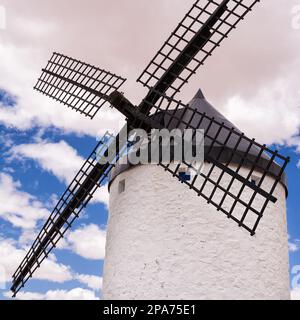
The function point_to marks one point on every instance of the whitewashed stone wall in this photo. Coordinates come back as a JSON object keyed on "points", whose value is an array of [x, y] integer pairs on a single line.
{"points": [[164, 242]]}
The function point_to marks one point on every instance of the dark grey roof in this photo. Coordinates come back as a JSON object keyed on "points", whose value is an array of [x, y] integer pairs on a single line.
{"points": [[216, 151]]}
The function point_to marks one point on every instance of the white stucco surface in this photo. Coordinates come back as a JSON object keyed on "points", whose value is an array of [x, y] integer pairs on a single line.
{"points": [[165, 242]]}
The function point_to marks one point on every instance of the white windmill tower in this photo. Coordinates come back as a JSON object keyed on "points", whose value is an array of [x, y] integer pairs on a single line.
{"points": [[171, 240], [164, 242]]}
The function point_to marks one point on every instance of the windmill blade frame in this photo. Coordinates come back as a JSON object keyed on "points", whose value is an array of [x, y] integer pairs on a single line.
{"points": [[225, 146], [90, 177], [80, 86], [196, 37]]}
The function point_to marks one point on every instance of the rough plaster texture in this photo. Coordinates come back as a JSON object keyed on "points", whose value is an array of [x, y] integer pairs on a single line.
{"points": [[164, 242]]}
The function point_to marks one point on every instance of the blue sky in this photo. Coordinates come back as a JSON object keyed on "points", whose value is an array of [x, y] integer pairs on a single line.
{"points": [[42, 185], [43, 144]]}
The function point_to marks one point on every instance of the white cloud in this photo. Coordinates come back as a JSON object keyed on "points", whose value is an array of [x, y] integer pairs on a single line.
{"points": [[8, 170], [294, 245], [11, 256], [25, 295], [6, 140], [27, 237], [273, 114], [295, 294], [298, 164], [239, 79], [101, 196], [60, 159], [74, 294], [88, 242], [21, 209], [20, 68], [295, 142], [50, 270], [92, 282]]}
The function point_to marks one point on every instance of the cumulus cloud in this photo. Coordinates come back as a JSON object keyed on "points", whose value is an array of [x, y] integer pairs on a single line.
{"points": [[6, 140], [59, 159], [101, 196], [20, 208], [273, 114], [295, 294], [50, 270], [74, 294], [27, 237], [92, 282], [294, 244], [22, 57], [87, 241], [251, 74], [7, 99], [19, 67], [295, 142]]}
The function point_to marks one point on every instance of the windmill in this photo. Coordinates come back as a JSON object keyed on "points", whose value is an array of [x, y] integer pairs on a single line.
{"points": [[253, 174]]}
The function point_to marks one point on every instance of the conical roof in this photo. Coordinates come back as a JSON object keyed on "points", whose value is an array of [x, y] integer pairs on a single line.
{"points": [[202, 105], [216, 138]]}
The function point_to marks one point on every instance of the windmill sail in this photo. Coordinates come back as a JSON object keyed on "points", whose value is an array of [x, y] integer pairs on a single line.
{"points": [[224, 145], [76, 84], [91, 176], [196, 37]]}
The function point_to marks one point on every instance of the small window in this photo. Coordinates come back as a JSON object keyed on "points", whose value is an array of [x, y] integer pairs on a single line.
{"points": [[121, 186], [184, 175]]}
